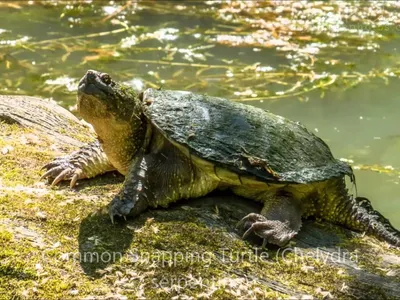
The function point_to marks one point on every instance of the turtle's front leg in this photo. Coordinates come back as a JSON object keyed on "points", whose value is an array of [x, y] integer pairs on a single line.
{"points": [[158, 179], [133, 198], [89, 161]]}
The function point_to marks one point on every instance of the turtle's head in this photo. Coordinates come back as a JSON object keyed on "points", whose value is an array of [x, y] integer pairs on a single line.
{"points": [[99, 97], [116, 114]]}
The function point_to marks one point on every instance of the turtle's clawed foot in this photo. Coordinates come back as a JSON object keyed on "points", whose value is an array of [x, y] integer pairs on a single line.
{"points": [[272, 231], [120, 207], [62, 169]]}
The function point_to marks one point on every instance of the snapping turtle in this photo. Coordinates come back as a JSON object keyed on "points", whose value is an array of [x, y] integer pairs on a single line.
{"points": [[172, 145]]}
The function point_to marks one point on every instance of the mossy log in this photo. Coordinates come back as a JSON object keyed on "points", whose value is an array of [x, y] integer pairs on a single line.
{"points": [[58, 243]]}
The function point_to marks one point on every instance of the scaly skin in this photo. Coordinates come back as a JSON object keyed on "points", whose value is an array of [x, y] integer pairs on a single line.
{"points": [[116, 114], [87, 162], [158, 172], [355, 213]]}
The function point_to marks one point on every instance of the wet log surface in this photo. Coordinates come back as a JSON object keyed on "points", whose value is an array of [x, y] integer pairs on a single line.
{"points": [[43, 115]]}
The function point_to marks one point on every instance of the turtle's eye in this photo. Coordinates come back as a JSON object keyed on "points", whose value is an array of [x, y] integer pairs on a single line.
{"points": [[105, 78]]}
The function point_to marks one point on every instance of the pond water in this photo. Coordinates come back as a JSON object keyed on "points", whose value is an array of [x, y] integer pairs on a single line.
{"points": [[332, 66]]}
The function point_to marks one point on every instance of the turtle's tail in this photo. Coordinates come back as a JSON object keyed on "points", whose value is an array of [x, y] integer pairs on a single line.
{"points": [[356, 213], [375, 223]]}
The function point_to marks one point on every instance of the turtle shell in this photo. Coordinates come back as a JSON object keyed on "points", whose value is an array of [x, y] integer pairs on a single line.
{"points": [[242, 138]]}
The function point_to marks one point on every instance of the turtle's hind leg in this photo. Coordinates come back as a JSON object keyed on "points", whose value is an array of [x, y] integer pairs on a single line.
{"points": [[279, 220], [356, 213]]}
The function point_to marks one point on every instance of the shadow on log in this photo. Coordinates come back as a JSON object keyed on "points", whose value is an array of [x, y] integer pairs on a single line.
{"points": [[59, 242]]}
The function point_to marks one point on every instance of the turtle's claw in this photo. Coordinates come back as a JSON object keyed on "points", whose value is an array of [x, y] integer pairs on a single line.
{"points": [[51, 172], [74, 180], [60, 177], [112, 218], [52, 164], [248, 220], [265, 241], [62, 169], [272, 231], [119, 208]]}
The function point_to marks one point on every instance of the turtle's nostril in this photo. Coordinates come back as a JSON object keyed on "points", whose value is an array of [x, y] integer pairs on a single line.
{"points": [[91, 76]]}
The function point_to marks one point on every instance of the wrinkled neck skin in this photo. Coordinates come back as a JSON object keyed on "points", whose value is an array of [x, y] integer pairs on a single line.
{"points": [[121, 137], [122, 143]]}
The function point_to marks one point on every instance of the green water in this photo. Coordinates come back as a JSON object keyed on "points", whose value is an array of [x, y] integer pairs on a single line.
{"points": [[333, 67]]}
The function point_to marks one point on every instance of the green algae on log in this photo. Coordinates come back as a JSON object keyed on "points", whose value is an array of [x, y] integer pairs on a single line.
{"points": [[59, 243]]}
